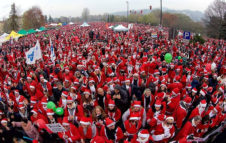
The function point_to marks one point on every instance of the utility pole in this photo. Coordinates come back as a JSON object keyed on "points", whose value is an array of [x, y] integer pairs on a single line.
{"points": [[127, 2], [160, 12]]}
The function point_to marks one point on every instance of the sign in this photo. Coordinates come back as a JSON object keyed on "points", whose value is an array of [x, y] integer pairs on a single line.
{"points": [[186, 35], [55, 128], [154, 35]]}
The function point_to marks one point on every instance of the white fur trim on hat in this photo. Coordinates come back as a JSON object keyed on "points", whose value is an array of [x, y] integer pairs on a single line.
{"points": [[84, 123], [143, 135], [111, 104], [34, 112], [157, 105], [169, 118], [31, 86], [49, 114], [111, 124], [3, 121], [137, 105], [134, 118], [201, 92], [65, 124], [194, 91]]}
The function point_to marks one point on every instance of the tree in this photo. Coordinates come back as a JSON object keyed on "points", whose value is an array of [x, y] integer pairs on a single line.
{"points": [[214, 18], [50, 19], [46, 19], [33, 18], [85, 14], [6, 26], [223, 28], [13, 18]]}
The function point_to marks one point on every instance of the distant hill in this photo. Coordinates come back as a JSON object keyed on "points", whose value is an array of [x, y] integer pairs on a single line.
{"points": [[194, 15]]}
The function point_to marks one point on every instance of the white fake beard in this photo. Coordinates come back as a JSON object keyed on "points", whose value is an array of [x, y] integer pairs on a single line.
{"points": [[92, 88], [127, 87], [111, 87]]}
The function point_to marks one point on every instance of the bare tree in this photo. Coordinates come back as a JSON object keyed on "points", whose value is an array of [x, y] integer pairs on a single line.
{"points": [[214, 17], [33, 18]]}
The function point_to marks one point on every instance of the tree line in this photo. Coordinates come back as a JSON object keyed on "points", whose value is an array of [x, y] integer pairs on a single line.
{"points": [[213, 25]]}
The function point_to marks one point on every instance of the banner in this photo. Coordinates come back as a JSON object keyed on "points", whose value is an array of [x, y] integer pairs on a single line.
{"points": [[55, 128], [33, 54], [30, 56], [52, 55], [38, 51]]}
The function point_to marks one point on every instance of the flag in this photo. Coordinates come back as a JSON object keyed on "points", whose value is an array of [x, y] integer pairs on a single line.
{"points": [[52, 55], [38, 51], [30, 56]]}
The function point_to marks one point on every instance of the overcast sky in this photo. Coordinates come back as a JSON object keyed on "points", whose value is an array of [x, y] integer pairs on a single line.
{"points": [[73, 8]]}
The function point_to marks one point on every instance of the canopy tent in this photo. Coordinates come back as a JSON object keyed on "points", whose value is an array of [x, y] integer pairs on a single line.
{"points": [[42, 28], [37, 30], [70, 23], [110, 27], [14, 35], [2, 38], [65, 23], [53, 24], [59, 24], [22, 32], [30, 31], [85, 25], [120, 28]]}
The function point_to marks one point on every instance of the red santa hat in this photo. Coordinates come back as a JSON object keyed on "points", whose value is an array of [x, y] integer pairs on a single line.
{"points": [[74, 87], [176, 91], [98, 139], [202, 92], [32, 85], [16, 91], [65, 121], [91, 80], [189, 86], [163, 84], [109, 80], [41, 77], [127, 80], [210, 89], [134, 116], [64, 93], [111, 103], [109, 122], [4, 121], [67, 79], [187, 100], [29, 77], [44, 100], [204, 85], [170, 118], [35, 111], [21, 106], [203, 103], [49, 112], [221, 88], [76, 81], [144, 134], [156, 72], [87, 91], [1, 113], [158, 103], [194, 90], [163, 70], [137, 103], [85, 121], [69, 99]]}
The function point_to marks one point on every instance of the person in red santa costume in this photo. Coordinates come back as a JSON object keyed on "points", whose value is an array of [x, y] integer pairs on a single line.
{"points": [[73, 111], [112, 111], [87, 129], [71, 133], [111, 132], [173, 101], [199, 110], [136, 108], [142, 137], [189, 128], [132, 126], [181, 111], [163, 132]]}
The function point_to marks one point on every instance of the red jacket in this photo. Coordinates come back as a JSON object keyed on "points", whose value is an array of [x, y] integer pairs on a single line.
{"points": [[132, 129], [179, 115], [78, 114], [162, 134], [187, 130], [72, 133], [118, 135]]}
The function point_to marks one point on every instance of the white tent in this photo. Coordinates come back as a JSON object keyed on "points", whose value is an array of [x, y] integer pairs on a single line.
{"points": [[37, 30], [120, 28], [70, 23], [85, 25], [53, 24], [2, 38], [110, 27]]}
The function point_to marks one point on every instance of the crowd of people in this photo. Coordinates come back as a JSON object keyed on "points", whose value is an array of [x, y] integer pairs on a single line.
{"points": [[114, 87]]}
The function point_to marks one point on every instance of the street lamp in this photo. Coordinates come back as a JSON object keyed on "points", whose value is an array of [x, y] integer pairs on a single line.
{"points": [[160, 12], [127, 2]]}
